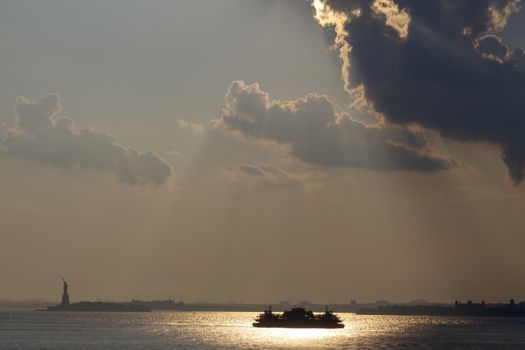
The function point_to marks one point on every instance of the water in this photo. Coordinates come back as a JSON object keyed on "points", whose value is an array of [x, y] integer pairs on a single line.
{"points": [[29, 330]]}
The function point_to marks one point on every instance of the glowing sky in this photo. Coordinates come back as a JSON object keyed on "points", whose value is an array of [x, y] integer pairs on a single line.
{"points": [[260, 150]]}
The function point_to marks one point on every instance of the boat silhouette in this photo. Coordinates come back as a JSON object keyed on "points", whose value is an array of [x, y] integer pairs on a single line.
{"points": [[298, 317]]}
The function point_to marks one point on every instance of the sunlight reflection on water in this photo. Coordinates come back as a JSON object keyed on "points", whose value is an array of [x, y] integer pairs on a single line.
{"points": [[297, 334], [234, 330]]}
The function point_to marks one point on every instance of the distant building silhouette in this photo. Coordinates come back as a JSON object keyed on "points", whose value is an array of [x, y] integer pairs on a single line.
{"points": [[459, 309]]}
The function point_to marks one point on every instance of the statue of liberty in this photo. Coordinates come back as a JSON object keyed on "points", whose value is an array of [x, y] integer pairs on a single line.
{"points": [[65, 295]]}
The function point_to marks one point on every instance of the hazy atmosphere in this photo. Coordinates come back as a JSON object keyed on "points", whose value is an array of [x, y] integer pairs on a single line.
{"points": [[263, 150]]}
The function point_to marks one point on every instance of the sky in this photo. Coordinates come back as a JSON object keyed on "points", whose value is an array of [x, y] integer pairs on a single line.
{"points": [[265, 150]]}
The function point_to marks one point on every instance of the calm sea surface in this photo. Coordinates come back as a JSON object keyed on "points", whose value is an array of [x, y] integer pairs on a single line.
{"points": [[233, 330]]}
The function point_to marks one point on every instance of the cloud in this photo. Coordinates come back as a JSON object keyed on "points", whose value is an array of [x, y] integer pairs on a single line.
{"points": [[42, 134], [269, 176], [317, 134], [174, 153], [450, 72], [196, 128], [492, 47]]}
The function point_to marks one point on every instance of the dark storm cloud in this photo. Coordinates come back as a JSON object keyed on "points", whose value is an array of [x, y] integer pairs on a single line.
{"points": [[449, 73], [317, 134], [492, 47], [42, 134]]}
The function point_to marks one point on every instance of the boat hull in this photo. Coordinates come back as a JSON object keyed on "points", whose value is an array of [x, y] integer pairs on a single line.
{"points": [[298, 325]]}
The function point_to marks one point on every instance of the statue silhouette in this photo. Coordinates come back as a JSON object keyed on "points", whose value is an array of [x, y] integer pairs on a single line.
{"points": [[65, 294]]}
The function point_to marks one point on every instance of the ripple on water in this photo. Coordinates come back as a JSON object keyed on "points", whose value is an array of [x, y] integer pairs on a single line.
{"points": [[233, 330]]}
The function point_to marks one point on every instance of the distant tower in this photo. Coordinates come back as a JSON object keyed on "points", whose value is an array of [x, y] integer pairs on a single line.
{"points": [[65, 295]]}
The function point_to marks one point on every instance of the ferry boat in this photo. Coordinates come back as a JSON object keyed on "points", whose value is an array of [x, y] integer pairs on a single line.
{"points": [[298, 317]]}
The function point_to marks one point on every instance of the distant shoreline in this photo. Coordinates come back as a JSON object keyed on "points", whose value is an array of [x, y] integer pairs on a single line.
{"points": [[381, 307], [171, 305]]}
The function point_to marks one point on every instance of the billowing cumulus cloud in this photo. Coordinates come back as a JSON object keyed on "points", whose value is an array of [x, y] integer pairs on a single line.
{"points": [[438, 64], [41, 134], [317, 134]]}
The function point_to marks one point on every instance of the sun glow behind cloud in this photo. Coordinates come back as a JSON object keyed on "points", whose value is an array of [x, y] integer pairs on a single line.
{"points": [[327, 17], [395, 18]]}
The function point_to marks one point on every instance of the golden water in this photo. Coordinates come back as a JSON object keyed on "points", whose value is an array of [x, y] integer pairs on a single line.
{"points": [[30, 330]]}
